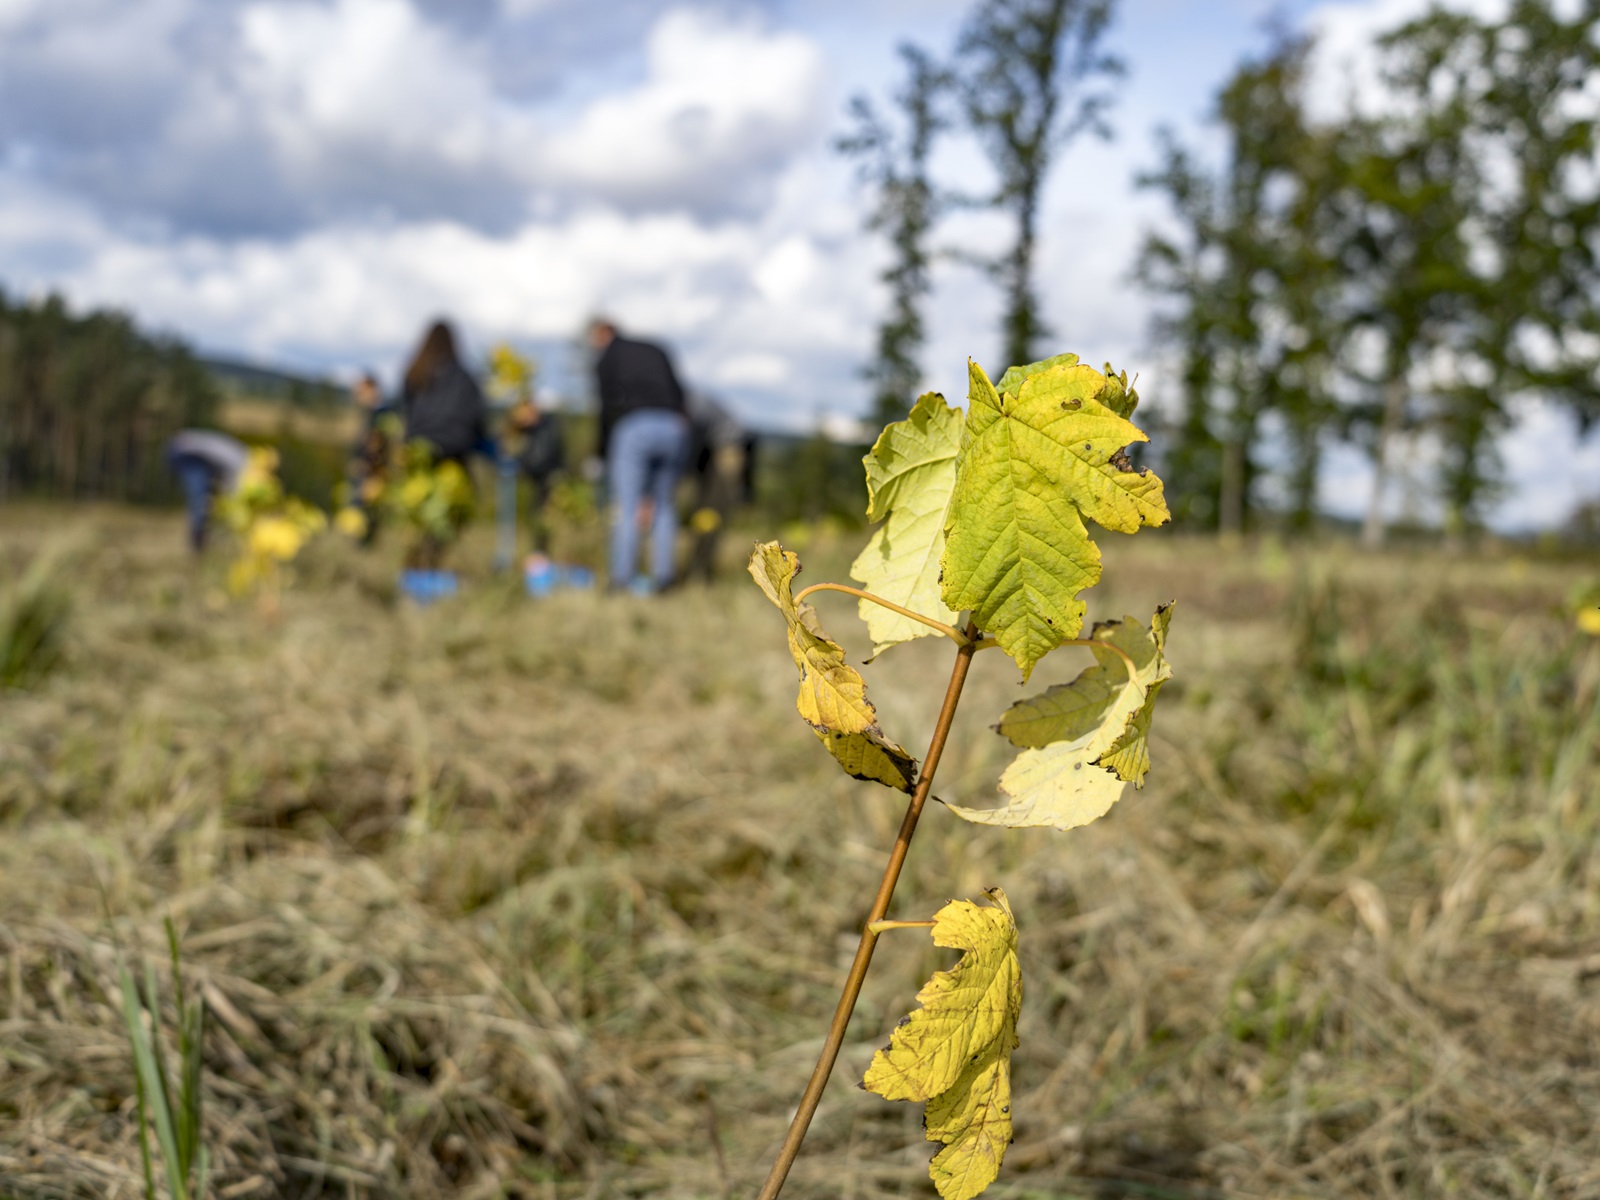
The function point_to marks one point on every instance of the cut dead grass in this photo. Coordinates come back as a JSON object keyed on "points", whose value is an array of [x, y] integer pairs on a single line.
{"points": [[553, 899]]}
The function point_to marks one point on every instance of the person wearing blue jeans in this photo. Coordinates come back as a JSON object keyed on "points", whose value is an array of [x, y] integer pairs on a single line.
{"points": [[206, 463], [644, 442], [649, 452]]}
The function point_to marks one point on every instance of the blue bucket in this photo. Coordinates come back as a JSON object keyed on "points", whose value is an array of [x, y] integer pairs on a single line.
{"points": [[542, 576], [424, 587]]}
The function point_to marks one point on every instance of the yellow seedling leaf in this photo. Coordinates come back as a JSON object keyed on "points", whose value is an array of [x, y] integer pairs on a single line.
{"points": [[351, 522], [276, 537], [833, 696], [954, 1052], [911, 471], [1034, 463], [1086, 739], [1589, 620]]}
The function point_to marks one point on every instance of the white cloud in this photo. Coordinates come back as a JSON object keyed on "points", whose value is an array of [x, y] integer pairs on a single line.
{"points": [[367, 75], [721, 96]]}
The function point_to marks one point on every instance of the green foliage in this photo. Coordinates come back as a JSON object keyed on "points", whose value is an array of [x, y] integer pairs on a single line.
{"points": [[997, 499], [1422, 270], [87, 403], [813, 479], [34, 615], [171, 1105], [433, 500], [1252, 276], [271, 526]]}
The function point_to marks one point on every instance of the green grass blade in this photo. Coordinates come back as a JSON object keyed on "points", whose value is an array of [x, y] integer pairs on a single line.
{"points": [[135, 1027], [153, 1083]]}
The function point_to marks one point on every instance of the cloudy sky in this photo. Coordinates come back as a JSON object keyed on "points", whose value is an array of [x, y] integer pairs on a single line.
{"points": [[306, 182]]}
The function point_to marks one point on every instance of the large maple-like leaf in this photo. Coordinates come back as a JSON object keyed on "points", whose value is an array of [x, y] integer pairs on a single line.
{"points": [[1034, 463], [833, 696], [954, 1052]]}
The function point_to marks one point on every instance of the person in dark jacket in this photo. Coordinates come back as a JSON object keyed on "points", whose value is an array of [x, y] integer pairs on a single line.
{"points": [[644, 444], [441, 403]]}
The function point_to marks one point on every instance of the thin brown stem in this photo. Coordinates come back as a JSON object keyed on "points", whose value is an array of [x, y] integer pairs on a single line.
{"points": [[950, 631], [869, 937]]}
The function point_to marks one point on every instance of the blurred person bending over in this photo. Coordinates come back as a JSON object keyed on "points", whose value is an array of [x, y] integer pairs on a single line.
{"points": [[644, 444], [440, 401], [207, 464]]}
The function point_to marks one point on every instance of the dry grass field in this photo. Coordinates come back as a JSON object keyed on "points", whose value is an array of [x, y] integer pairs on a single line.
{"points": [[552, 899]]}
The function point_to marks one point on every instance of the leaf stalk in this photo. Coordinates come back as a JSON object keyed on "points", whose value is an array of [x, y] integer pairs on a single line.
{"points": [[949, 631]]}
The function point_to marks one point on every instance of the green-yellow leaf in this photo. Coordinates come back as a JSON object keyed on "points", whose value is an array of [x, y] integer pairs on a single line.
{"points": [[911, 471], [833, 696], [1129, 756], [1058, 785], [1087, 739], [1119, 397], [955, 1051], [1034, 464], [1011, 382]]}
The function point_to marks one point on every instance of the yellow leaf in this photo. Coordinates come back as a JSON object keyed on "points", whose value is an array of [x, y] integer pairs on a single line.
{"points": [[351, 522], [955, 1051], [1085, 739], [911, 471], [276, 537], [833, 696], [1589, 620]]}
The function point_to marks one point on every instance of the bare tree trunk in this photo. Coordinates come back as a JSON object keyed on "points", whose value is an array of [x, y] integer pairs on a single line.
{"points": [[1230, 504], [1394, 404]]}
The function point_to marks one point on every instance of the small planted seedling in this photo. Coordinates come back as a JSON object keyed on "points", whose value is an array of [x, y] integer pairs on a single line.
{"points": [[272, 528], [982, 539]]}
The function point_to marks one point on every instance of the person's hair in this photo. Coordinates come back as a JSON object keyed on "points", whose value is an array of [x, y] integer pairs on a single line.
{"points": [[370, 377], [596, 324], [438, 349]]}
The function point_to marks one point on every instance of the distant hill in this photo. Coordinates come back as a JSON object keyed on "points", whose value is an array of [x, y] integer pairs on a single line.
{"points": [[249, 381]]}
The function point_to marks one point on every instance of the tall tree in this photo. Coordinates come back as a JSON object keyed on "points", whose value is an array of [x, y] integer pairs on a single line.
{"points": [[1409, 180], [1536, 306], [896, 164], [1251, 269], [1033, 76]]}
